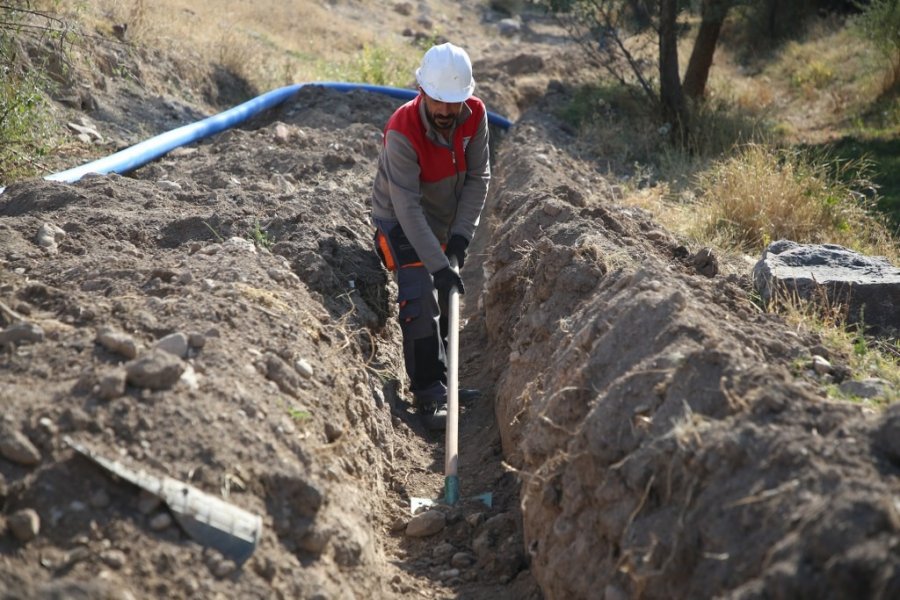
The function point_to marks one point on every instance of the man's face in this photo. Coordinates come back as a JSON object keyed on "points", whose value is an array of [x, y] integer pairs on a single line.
{"points": [[442, 115]]}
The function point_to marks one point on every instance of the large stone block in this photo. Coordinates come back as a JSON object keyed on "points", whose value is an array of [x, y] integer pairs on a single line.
{"points": [[868, 286]]}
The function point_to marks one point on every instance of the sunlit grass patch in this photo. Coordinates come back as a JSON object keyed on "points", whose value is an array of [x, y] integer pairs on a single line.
{"points": [[764, 194]]}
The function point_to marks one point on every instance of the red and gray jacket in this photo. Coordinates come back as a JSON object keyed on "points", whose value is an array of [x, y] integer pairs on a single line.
{"points": [[433, 188]]}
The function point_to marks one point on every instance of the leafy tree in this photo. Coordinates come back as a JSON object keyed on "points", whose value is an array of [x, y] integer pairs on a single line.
{"points": [[613, 34]]}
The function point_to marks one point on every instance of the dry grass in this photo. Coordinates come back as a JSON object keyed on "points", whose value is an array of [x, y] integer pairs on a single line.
{"points": [[828, 75], [865, 357], [764, 194], [268, 43]]}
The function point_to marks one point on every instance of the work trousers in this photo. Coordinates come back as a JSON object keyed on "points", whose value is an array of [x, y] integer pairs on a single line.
{"points": [[422, 315]]}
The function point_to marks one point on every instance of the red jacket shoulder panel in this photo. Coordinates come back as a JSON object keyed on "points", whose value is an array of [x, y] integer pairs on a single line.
{"points": [[436, 162]]}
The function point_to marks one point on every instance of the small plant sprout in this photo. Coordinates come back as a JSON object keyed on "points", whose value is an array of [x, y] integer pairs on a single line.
{"points": [[261, 237], [298, 414]]}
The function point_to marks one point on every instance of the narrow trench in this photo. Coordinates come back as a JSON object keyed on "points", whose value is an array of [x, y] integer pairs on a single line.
{"points": [[499, 570]]}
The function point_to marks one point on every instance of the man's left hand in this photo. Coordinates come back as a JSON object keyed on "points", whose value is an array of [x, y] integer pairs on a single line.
{"points": [[457, 247], [445, 280]]}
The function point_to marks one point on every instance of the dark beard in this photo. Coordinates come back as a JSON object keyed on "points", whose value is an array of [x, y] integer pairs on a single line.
{"points": [[436, 125]]}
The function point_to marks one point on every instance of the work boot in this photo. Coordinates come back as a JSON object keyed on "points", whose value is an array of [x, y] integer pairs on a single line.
{"points": [[433, 414]]}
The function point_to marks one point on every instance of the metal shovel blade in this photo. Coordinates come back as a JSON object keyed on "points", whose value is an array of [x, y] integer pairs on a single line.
{"points": [[207, 519], [417, 503]]}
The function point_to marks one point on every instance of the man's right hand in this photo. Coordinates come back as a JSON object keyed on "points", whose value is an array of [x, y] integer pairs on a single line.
{"points": [[445, 279]]}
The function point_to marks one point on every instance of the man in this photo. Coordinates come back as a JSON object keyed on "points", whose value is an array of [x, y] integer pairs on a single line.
{"points": [[429, 190]]}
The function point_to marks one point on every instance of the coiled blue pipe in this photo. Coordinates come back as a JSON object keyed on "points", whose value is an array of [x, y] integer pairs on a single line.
{"points": [[140, 154]]}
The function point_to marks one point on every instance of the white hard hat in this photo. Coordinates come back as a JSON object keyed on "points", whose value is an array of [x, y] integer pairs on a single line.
{"points": [[446, 73]]}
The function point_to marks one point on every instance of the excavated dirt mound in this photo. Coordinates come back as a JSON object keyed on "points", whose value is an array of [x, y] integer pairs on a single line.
{"points": [[218, 317], [284, 397], [651, 415]]}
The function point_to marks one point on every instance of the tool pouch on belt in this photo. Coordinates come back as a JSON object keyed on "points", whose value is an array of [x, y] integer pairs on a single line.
{"points": [[395, 250]]}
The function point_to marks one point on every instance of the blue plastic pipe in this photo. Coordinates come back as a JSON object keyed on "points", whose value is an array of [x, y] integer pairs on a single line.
{"points": [[140, 154]]}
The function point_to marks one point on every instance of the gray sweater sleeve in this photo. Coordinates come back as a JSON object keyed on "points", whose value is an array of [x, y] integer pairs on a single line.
{"points": [[478, 176], [402, 169]]}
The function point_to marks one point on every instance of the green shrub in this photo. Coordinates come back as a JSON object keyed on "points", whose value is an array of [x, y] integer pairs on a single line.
{"points": [[378, 65], [879, 22], [25, 130]]}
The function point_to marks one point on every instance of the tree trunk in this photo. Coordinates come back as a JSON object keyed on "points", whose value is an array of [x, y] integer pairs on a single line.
{"points": [[712, 16], [771, 18], [671, 94], [640, 14]]}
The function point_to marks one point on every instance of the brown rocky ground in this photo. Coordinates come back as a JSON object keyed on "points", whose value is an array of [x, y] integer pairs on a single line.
{"points": [[640, 429]]}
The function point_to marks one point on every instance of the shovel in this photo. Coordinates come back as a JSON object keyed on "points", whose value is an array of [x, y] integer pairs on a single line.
{"points": [[451, 452], [209, 520]]}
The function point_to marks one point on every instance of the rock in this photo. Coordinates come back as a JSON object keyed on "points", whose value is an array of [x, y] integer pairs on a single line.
{"points": [[76, 419], [333, 432], [117, 342], [282, 133], [304, 368], [509, 27], [398, 524], [475, 519], [223, 568], [47, 426], [76, 555], [111, 385], [160, 521], [820, 365], [169, 186], [89, 132], [282, 184], [190, 378], [16, 447], [239, 245], [21, 332], [115, 559], [314, 541], [462, 560], [48, 236], [705, 262], [426, 523], [866, 388], [869, 286], [157, 370], [282, 374], [196, 340], [25, 524], [174, 343]]}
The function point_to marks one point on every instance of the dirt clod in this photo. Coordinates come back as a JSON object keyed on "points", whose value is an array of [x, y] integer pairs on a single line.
{"points": [[25, 524]]}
